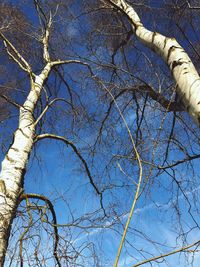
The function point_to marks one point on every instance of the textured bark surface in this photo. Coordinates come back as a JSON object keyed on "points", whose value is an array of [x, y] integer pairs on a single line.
{"points": [[185, 75], [14, 164]]}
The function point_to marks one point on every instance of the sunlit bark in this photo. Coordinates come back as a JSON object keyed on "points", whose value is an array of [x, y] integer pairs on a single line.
{"points": [[185, 75], [14, 164]]}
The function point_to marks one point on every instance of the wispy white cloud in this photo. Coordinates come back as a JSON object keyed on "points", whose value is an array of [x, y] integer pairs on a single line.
{"points": [[123, 217]]}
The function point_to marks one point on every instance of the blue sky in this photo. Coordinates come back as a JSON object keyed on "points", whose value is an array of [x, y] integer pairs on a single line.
{"points": [[59, 170], [55, 171]]}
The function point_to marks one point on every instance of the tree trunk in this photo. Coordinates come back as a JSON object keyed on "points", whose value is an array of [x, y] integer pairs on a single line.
{"points": [[185, 75], [14, 164]]}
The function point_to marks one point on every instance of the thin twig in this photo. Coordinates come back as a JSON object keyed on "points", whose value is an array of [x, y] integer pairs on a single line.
{"points": [[167, 254], [7, 43], [51, 208], [139, 178], [77, 152]]}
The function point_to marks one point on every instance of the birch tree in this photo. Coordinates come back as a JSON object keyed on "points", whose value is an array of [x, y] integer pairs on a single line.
{"points": [[183, 70], [14, 164], [181, 66], [81, 79]]}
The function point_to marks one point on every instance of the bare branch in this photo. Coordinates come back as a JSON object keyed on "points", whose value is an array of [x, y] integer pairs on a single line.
{"points": [[51, 208], [8, 45], [77, 152], [192, 7], [48, 106], [10, 101], [72, 61], [136, 195], [24, 233], [189, 158], [45, 40], [167, 254], [164, 102]]}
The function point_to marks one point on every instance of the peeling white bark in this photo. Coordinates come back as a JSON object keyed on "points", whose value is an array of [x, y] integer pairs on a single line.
{"points": [[14, 164], [185, 75]]}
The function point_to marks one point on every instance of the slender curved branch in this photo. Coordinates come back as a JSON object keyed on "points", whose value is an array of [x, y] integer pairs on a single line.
{"points": [[21, 62], [72, 61], [164, 102], [66, 84], [179, 162], [136, 196], [48, 106], [15, 104], [192, 7], [77, 152], [24, 233], [167, 254], [122, 44], [51, 208]]}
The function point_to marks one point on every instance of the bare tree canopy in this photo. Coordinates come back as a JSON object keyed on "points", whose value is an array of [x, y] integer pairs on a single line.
{"points": [[100, 147]]}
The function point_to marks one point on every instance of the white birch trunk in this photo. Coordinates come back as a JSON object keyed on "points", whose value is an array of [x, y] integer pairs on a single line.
{"points": [[14, 164], [185, 75]]}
